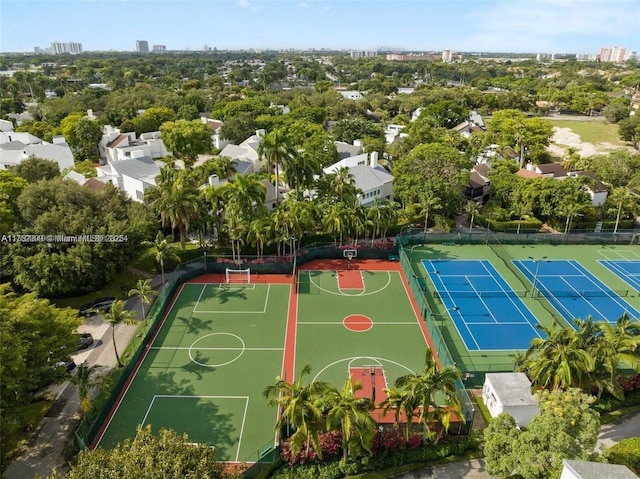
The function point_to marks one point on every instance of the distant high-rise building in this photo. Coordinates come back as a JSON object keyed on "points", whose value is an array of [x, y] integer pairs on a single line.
{"points": [[362, 53], [159, 49], [612, 54], [446, 56], [142, 46], [58, 48]]}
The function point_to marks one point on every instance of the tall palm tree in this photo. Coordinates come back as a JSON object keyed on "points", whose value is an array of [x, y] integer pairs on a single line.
{"points": [[343, 183], [118, 315], [86, 379], [520, 210], [351, 415], [620, 343], [300, 408], [620, 196], [395, 400], [299, 169], [472, 208], [258, 233], [276, 150], [144, 290], [558, 360], [335, 220], [164, 250], [426, 387], [427, 202]]}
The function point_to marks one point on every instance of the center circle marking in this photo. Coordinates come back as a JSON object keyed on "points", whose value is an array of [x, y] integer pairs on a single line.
{"points": [[193, 346], [357, 323]]}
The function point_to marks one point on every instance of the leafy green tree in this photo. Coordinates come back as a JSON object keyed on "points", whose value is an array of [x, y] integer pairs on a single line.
{"points": [[83, 136], [529, 136], [499, 440], [186, 139], [629, 129], [11, 186], [617, 168], [446, 113], [626, 452], [64, 208], [35, 336], [152, 119], [300, 409], [355, 128], [34, 169], [352, 416], [166, 455], [115, 316], [566, 428], [40, 129], [238, 128], [434, 168]]}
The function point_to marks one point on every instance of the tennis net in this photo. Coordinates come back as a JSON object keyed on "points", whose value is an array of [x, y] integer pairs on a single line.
{"points": [[480, 294], [599, 293]]}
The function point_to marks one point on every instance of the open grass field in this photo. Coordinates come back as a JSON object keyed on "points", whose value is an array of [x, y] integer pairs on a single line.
{"points": [[480, 333], [592, 131]]}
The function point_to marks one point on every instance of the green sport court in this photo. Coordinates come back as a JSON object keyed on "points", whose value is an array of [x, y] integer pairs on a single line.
{"points": [[219, 345]]}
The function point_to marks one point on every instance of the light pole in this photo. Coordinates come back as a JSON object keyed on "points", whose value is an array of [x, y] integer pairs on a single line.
{"points": [[535, 276]]}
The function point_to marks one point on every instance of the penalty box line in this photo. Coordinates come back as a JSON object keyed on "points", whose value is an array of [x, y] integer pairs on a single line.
{"points": [[176, 396], [204, 287]]}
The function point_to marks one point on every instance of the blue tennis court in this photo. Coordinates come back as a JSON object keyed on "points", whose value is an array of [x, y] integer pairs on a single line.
{"points": [[574, 292], [486, 312], [628, 270]]}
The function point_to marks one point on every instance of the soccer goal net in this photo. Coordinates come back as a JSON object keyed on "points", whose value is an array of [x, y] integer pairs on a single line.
{"points": [[242, 276]]}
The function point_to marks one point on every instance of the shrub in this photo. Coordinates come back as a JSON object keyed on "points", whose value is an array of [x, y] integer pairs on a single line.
{"points": [[626, 452]]}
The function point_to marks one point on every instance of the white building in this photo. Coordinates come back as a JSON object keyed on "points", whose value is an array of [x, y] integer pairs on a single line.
{"points": [[594, 470], [510, 393], [116, 146], [17, 147], [142, 46], [247, 151], [446, 56], [351, 95], [133, 175]]}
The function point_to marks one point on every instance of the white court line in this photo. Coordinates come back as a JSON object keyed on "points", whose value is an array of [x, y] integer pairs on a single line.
{"points": [[264, 308], [175, 396], [167, 348], [330, 323]]}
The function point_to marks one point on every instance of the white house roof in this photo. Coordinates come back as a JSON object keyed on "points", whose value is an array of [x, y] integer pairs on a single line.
{"points": [[143, 168], [24, 138], [367, 178], [512, 389], [597, 470], [75, 176], [60, 153], [345, 150], [240, 152], [347, 163]]}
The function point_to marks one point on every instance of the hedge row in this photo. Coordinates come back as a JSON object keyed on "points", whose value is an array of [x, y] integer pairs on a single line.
{"points": [[382, 460]]}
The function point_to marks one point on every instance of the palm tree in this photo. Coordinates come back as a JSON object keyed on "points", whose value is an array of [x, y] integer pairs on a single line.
{"points": [[559, 360], [428, 201], [519, 210], [620, 196], [396, 399], [85, 379], [343, 184], [164, 250], [299, 171], [277, 151], [335, 219], [426, 387], [258, 233], [620, 343], [300, 407], [118, 315], [351, 415], [472, 208], [144, 290]]}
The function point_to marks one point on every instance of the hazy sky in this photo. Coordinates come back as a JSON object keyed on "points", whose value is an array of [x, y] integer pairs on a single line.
{"points": [[547, 26]]}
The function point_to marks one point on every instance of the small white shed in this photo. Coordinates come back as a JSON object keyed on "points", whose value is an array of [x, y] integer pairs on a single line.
{"points": [[510, 393], [594, 470]]}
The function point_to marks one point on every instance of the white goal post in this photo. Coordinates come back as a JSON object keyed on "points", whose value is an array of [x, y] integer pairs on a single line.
{"points": [[238, 275]]}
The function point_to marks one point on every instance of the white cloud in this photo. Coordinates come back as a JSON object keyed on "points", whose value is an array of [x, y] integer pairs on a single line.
{"points": [[243, 3]]}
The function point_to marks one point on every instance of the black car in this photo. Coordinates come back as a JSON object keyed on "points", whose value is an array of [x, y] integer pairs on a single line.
{"points": [[100, 304], [84, 341]]}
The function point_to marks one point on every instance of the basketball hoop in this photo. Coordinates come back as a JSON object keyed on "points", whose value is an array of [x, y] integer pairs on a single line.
{"points": [[349, 257]]}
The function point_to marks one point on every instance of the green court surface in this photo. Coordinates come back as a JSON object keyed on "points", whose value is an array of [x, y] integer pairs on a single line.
{"points": [[205, 371], [500, 256], [375, 326]]}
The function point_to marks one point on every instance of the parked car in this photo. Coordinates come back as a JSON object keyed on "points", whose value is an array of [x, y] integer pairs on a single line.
{"points": [[68, 364], [84, 341], [100, 304]]}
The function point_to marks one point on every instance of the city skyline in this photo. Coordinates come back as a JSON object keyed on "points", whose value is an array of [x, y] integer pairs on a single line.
{"points": [[524, 26]]}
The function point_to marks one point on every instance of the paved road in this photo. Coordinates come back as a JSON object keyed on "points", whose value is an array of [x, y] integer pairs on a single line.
{"points": [[54, 436]]}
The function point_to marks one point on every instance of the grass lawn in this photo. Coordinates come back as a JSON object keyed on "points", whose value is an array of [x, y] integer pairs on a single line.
{"points": [[592, 131], [118, 288]]}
